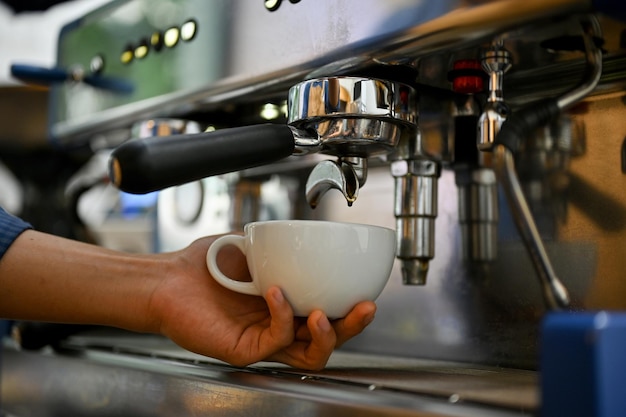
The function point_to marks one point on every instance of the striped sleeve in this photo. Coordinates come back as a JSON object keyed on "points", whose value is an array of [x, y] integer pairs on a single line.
{"points": [[10, 228]]}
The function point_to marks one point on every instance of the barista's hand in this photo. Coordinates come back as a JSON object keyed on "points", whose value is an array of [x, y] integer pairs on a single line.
{"points": [[204, 317]]}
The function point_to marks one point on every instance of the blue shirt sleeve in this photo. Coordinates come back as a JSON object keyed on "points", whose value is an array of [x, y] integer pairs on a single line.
{"points": [[10, 228]]}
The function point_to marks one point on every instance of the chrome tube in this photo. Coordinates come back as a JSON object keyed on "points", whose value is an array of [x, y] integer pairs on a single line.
{"points": [[594, 68], [415, 209], [555, 293]]}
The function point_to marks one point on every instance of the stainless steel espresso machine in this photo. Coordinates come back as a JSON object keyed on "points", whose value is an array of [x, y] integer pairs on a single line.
{"points": [[489, 133]]}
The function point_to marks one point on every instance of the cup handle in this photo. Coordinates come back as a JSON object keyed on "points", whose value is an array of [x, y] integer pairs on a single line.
{"points": [[211, 261]]}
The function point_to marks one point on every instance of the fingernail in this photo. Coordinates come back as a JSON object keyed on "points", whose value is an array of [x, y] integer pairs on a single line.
{"points": [[368, 319], [278, 296], [323, 323]]}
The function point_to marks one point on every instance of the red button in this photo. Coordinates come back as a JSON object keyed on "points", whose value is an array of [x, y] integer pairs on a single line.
{"points": [[466, 82]]}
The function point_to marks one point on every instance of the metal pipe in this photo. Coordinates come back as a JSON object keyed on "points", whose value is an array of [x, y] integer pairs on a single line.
{"points": [[593, 55], [555, 293]]}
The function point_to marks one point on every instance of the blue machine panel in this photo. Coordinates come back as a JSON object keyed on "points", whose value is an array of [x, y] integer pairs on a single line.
{"points": [[583, 365]]}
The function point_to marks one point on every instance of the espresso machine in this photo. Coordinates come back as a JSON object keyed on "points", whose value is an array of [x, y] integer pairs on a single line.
{"points": [[489, 134]]}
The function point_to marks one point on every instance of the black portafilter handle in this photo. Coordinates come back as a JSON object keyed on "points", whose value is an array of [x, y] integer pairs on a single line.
{"points": [[144, 165]]}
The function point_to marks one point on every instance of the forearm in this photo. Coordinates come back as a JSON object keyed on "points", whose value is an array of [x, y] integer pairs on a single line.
{"points": [[47, 278]]}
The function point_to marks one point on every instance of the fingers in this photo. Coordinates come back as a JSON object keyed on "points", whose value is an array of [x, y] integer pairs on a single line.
{"points": [[311, 354], [279, 334], [323, 340], [354, 323], [266, 333], [310, 346], [357, 319]]}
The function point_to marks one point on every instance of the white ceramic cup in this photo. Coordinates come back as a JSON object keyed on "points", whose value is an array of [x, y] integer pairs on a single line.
{"points": [[322, 265]]}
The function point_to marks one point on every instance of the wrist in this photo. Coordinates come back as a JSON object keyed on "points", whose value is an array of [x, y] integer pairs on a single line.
{"points": [[160, 291]]}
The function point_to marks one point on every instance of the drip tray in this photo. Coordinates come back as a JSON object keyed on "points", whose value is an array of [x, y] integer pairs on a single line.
{"points": [[515, 389], [511, 389]]}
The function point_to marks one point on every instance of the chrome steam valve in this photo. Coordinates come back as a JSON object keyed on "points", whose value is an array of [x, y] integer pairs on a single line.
{"points": [[496, 61]]}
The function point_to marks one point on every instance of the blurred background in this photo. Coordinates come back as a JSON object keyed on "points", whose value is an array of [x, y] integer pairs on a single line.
{"points": [[34, 174], [29, 30]]}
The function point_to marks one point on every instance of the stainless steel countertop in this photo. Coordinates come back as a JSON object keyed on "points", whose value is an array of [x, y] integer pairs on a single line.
{"points": [[142, 375]]}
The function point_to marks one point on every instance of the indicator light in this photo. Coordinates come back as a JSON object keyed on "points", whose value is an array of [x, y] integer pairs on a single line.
{"points": [[272, 5], [127, 55], [96, 65], [270, 111], [188, 30], [156, 41], [171, 37], [142, 50]]}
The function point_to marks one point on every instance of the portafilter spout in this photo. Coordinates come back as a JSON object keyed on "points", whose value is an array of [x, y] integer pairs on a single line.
{"points": [[353, 119]]}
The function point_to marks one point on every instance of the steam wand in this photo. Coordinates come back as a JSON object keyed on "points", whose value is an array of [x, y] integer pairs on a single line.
{"points": [[517, 128]]}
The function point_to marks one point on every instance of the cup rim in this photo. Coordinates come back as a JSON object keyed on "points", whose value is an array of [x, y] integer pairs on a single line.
{"points": [[307, 222]]}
